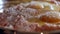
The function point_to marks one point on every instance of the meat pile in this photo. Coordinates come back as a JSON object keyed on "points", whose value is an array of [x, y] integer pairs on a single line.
{"points": [[16, 18]]}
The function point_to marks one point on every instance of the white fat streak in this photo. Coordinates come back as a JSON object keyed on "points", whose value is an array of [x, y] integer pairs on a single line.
{"points": [[38, 2], [50, 14], [24, 4], [51, 7], [48, 24]]}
